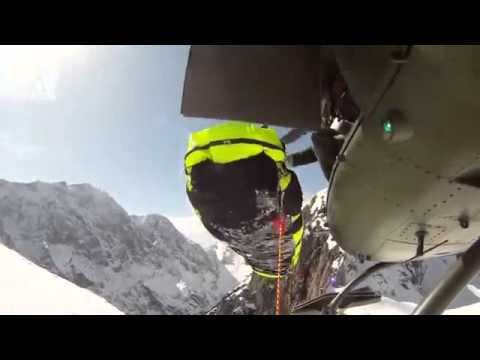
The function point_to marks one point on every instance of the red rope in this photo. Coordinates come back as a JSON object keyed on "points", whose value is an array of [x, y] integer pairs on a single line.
{"points": [[279, 225]]}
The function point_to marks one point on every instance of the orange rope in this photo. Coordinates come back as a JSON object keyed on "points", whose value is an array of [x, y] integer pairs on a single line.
{"points": [[281, 229]]}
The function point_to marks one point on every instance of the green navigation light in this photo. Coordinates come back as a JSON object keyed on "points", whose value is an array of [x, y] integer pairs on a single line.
{"points": [[387, 127]]}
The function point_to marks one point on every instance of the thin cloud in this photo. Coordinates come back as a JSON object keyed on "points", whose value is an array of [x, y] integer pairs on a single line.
{"points": [[16, 148], [193, 229]]}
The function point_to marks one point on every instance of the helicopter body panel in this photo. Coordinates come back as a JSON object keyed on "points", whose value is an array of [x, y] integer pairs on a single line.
{"points": [[413, 163], [276, 85]]}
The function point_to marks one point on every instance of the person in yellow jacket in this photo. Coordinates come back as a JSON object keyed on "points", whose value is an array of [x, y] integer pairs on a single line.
{"points": [[241, 189]]}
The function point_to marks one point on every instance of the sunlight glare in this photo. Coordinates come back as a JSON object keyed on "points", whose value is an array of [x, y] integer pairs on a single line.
{"points": [[31, 71]]}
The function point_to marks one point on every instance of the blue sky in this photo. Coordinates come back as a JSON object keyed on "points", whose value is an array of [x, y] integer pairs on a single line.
{"points": [[113, 121]]}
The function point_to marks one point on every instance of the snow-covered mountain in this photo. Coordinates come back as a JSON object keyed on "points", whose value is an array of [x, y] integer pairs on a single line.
{"points": [[27, 289], [142, 265], [234, 263]]}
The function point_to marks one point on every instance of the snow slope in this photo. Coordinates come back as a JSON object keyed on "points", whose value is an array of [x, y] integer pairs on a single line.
{"points": [[234, 263], [27, 289], [391, 307]]}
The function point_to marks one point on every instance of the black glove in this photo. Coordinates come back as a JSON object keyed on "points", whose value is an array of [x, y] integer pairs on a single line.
{"points": [[305, 157]]}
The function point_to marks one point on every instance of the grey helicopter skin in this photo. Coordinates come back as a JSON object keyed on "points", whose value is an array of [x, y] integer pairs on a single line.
{"points": [[414, 156], [406, 183]]}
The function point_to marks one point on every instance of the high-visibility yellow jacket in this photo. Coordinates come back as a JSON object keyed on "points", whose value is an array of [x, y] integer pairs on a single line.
{"points": [[230, 142]]}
